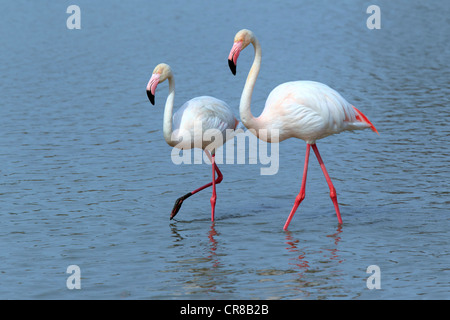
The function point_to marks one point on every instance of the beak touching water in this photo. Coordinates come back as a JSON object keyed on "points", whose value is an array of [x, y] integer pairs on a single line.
{"points": [[234, 54], [151, 87]]}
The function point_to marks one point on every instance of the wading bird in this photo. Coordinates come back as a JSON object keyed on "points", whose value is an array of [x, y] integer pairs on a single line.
{"points": [[305, 110], [201, 114]]}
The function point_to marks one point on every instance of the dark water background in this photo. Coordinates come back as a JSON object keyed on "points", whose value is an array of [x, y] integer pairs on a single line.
{"points": [[86, 177]]}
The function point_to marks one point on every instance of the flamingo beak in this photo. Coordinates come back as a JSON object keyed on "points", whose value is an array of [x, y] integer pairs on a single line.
{"points": [[178, 204], [151, 97], [233, 56], [151, 87]]}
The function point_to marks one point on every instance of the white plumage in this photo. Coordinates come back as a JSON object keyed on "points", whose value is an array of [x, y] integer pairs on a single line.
{"points": [[308, 110], [305, 110], [203, 122], [211, 115]]}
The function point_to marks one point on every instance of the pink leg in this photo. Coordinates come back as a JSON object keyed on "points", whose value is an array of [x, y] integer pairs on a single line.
{"points": [[333, 195], [301, 194], [180, 200], [214, 196]]}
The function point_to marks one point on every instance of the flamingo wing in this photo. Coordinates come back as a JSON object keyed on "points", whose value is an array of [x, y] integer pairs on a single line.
{"points": [[208, 112], [310, 111]]}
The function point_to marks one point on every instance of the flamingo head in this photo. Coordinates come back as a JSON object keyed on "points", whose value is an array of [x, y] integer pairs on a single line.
{"points": [[161, 72], [242, 39]]}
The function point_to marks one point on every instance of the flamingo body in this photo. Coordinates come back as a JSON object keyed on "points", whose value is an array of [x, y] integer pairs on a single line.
{"points": [[306, 110], [190, 127], [211, 114]]}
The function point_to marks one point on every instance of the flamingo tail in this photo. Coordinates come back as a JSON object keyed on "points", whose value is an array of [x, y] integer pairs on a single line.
{"points": [[361, 117]]}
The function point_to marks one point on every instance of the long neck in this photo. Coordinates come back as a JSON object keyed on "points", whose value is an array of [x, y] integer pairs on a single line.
{"points": [[246, 115], [168, 112]]}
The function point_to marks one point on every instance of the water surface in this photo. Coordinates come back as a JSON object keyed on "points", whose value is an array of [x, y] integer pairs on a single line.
{"points": [[87, 178]]}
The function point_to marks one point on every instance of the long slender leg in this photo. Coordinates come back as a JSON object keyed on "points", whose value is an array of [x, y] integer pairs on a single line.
{"points": [[301, 194], [333, 194], [214, 195], [180, 200]]}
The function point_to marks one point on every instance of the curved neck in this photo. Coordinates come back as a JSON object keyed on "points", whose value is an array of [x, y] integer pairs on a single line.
{"points": [[168, 112], [246, 115]]}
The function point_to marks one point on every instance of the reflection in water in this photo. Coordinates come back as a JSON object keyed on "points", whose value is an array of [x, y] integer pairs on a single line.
{"points": [[334, 251], [300, 260], [176, 235], [199, 271], [303, 254], [213, 246]]}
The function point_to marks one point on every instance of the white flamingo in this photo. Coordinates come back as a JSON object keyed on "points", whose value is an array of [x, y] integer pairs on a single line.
{"points": [[305, 110], [205, 113]]}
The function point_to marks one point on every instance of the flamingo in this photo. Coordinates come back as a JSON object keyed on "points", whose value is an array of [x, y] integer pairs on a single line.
{"points": [[205, 113], [306, 110]]}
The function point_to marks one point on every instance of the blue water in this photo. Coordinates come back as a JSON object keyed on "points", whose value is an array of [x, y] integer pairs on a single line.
{"points": [[87, 179]]}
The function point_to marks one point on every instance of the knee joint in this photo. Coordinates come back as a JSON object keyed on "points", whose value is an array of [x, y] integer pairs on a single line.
{"points": [[333, 194], [300, 197]]}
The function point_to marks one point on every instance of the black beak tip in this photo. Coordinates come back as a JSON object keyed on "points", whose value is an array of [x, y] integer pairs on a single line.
{"points": [[151, 97], [178, 204], [232, 66]]}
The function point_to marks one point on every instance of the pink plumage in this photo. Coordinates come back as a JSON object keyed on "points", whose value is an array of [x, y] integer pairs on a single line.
{"points": [[310, 111], [306, 110]]}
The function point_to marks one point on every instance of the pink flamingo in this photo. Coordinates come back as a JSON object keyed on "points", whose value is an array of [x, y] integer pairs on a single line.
{"points": [[205, 113], [305, 110]]}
